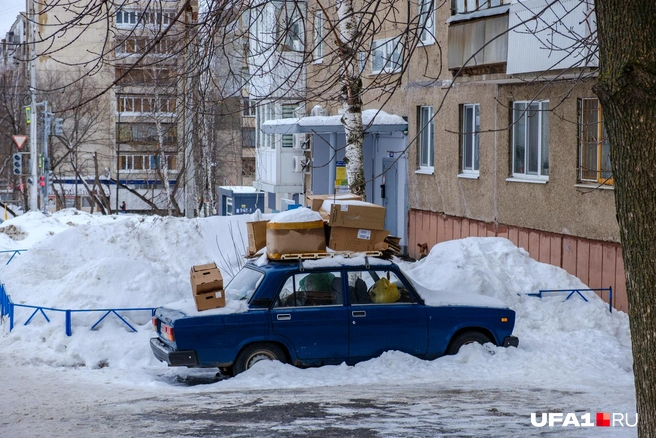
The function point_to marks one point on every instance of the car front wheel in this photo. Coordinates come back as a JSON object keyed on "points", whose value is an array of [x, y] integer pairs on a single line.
{"points": [[464, 339], [252, 354]]}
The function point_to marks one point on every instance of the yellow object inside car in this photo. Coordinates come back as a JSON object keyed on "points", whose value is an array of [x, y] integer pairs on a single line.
{"points": [[384, 292]]}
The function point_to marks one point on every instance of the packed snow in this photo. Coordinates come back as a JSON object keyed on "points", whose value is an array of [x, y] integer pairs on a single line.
{"points": [[75, 260]]}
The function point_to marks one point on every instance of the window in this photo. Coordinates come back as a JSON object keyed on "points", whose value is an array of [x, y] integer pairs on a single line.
{"points": [[248, 137], [147, 133], [377, 287], [594, 152], [427, 21], [142, 162], [126, 18], [245, 283], [288, 112], [138, 45], [289, 28], [228, 211], [530, 141], [471, 127], [387, 55], [248, 167], [130, 18], [248, 107], [318, 36], [311, 290], [466, 6], [145, 104], [426, 138]]}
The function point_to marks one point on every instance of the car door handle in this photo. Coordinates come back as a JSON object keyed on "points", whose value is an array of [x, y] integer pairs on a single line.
{"points": [[358, 313], [284, 317]]}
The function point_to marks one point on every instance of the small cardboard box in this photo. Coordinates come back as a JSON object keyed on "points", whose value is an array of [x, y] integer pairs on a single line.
{"points": [[294, 238], [205, 278], [357, 214], [210, 300], [256, 236], [357, 239], [315, 201]]}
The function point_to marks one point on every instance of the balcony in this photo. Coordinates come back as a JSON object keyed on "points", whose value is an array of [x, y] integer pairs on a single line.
{"points": [[478, 41]]}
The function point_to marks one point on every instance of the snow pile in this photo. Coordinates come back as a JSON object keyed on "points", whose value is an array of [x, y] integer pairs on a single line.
{"points": [[79, 261]]}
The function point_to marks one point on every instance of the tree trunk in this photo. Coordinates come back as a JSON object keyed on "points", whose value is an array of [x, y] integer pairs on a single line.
{"points": [[352, 97], [627, 92]]}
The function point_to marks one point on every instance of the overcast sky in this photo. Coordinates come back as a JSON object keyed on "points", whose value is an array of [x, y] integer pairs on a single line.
{"points": [[9, 10]]}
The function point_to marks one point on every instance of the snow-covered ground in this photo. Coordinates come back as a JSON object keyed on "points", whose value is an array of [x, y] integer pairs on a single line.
{"points": [[573, 356]]}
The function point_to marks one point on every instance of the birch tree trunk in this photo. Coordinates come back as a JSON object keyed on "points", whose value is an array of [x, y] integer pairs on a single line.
{"points": [[351, 96], [627, 92]]}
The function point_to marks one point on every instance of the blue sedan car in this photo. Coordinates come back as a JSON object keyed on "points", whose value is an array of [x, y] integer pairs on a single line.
{"points": [[327, 311]]}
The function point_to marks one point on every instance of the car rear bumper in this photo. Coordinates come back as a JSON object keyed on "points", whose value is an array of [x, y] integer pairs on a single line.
{"points": [[172, 357], [510, 341]]}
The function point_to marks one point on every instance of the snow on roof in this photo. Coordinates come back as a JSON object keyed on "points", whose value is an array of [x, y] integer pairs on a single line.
{"points": [[240, 189], [373, 117]]}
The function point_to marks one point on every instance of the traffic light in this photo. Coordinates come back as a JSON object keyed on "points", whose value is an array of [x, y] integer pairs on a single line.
{"points": [[18, 164], [59, 129], [42, 181]]}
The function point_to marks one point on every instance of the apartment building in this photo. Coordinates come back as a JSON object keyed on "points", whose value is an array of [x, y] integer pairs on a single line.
{"points": [[505, 135]]}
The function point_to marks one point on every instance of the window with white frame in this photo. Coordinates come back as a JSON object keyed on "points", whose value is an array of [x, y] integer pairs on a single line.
{"points": [[471, 127], [126, 18], [248, 107], [318, 36], [139, 45], [288, 112], [145, 104], [143, 162], [594, 149], [387, 55], [466, 6], [289, 28], [426, 138], [427, 21], [530, 139]]}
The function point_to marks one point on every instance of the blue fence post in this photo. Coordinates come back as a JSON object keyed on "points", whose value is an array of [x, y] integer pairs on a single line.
{"points": [[11, 316], [69, 330]]}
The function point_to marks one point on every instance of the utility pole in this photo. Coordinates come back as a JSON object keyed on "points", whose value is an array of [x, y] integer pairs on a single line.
{"points": [[34, 194]]}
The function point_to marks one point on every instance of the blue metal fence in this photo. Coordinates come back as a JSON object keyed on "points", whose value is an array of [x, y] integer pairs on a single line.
{"points": [[571, 292], [15, 251], [8, 308]]}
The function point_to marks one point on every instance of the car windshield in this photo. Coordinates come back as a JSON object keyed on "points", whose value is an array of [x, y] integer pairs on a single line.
{"points": [[243, 285]]}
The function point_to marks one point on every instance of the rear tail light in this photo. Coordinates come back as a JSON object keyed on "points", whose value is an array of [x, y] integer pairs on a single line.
{"points": [[167, 332], [155, 322]]}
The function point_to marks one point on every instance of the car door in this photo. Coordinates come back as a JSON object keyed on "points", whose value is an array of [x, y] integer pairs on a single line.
{"points": [[383, 323], [309, 311]]}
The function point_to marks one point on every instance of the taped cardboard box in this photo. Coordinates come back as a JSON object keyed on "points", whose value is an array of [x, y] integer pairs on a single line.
{"points": [[206, 278], [256, 236], [357, 239], [315, 201], [294, 238], [357, 214], [210, 300]]}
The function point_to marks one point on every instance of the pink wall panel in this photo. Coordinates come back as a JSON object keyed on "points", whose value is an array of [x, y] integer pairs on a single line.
{"points": [[583, 261], [596, 266], [523, 239], [569, 255], [608, 261], [620, 296], [534, 244], [448, 229], [556, 256], [545, 248], [503, 231], [513, 235]]}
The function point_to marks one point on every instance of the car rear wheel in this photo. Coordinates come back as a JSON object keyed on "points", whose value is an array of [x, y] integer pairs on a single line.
{"points": [[464, 339], [252, 354]]}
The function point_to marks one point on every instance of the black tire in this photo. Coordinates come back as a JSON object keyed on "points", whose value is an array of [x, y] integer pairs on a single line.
{"points": [[251, 354], [466, 338]]}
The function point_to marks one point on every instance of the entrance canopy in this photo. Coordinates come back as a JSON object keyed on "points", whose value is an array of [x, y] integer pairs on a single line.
{"points": [[372, 120]]}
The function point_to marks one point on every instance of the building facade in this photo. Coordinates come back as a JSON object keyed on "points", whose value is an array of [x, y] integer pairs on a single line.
{"points": [[505, 135]]}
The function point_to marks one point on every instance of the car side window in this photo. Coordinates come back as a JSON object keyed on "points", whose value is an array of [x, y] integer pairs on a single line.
{"points": [[377, 287], [311, 290]]}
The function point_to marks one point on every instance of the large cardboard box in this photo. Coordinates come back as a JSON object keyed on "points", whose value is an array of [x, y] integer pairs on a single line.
{"points": [[256, 236], [210, 300], [357, 214], [357, 239], [206, 278], [294, 238], [315, 201]]}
